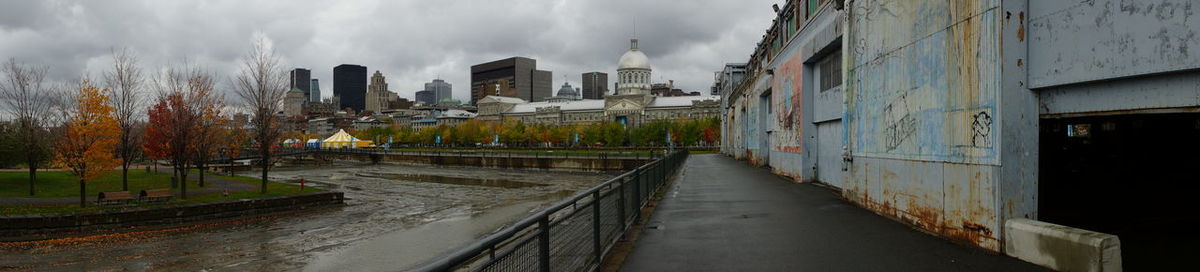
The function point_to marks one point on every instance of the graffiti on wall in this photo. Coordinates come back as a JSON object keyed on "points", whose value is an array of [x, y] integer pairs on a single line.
{"points": [[899, 123], [925, 92], [787, 95]]}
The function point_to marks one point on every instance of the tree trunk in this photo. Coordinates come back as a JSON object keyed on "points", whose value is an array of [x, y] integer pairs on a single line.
{"points": [[82, 193], [266, 165], [183, 183], [32, 178], [124, 177], [201, 168]]}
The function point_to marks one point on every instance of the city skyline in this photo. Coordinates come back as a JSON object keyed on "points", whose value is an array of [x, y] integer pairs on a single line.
{"points": [[685, 41]]}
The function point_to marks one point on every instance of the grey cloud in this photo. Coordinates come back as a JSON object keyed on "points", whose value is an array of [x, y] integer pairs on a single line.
{"points": [[411, 42]]}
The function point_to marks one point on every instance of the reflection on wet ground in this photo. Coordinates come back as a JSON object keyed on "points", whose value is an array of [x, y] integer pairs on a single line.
{"points": [[395, 216]]}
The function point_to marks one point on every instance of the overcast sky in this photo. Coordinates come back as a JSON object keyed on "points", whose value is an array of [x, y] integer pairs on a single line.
{"points": [[410, 42]]}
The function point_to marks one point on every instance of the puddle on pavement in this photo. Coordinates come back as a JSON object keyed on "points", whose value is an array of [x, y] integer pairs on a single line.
{"points": [[499, 183]]}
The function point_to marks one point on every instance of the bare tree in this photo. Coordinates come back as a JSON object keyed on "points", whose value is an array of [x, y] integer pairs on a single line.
{"points": [[125, 82], [28, 101], [262, 85]]}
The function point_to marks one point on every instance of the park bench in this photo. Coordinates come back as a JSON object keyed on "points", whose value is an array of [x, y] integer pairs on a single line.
{"points": [[156, 195], [114, 198]]}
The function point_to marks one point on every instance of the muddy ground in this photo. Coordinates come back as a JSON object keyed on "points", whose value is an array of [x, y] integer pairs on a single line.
{"points": [[395, 217]]}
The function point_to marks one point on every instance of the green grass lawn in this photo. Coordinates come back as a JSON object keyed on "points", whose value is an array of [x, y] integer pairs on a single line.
{"points": [[55, 184], [60, 184]]}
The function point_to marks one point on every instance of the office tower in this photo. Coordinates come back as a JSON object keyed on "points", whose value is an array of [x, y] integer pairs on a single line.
{"points": [[520, 74], [595, 85], [440, 89], [300, 78], [314, 91], [350, 86]]}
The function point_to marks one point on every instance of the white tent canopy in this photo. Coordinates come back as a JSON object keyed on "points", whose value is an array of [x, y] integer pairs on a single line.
{"points": [[339, 140]]}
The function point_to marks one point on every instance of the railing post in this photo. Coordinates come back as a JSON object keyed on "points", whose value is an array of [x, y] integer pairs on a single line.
{"points": [[544, 244], [637, 196], [621, 202], [596, 224]]}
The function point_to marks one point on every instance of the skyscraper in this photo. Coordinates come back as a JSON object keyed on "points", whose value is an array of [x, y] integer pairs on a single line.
{"points": [[440, 89], [595, 85], [377, 93], [350, 85], [300, 78], [520, 74], [426, 97], [315, 91]]}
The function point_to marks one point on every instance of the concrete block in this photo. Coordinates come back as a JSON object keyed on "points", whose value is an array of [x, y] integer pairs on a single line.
{"points": [[1060, 247]]}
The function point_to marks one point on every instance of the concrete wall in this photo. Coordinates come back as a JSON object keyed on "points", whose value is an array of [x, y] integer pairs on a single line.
{"points": [[500, 161], [26, 225]]}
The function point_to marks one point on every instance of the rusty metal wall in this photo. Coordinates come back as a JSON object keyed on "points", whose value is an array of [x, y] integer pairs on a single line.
{"points": [[923, 114], [1081, 41]]}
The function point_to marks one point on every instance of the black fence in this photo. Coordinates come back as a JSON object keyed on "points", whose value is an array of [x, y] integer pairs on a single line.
{"points": [[572, 235]]}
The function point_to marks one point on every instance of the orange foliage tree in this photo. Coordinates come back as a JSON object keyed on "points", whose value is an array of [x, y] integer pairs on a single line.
{"points": [[89, 139], [208, 132]]}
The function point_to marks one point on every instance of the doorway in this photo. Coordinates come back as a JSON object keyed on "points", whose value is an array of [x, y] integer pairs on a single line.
{"points": [[1128, 175]]}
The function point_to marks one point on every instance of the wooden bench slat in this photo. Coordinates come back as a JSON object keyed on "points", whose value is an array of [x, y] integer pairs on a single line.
{"points": [[119, 197], [156, 195]]}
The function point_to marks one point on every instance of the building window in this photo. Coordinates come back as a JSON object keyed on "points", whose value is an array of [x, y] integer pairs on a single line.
{"points": [[830, 69]]}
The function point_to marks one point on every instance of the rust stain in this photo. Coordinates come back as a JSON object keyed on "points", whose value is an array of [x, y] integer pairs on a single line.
{"points": [[1020, 62], [1021, 27]]}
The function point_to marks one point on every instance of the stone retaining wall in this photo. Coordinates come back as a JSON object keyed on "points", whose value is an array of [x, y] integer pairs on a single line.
{"points": [[40, 224]]}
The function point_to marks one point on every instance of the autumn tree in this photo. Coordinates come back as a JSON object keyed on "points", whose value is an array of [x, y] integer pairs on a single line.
{"points": [[124, 82], [28, 100], [209, 122], [176, 125], [90, 135], [262, 85]]}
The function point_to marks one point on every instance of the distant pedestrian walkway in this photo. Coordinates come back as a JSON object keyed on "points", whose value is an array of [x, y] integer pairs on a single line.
{"points": [[724, 215]]}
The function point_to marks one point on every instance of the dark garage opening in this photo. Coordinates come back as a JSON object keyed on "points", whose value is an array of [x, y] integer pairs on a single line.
{"points": [[1134, 176]]}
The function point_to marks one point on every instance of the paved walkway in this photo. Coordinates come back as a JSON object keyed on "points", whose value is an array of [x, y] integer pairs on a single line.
{"points": [[723, 215]]}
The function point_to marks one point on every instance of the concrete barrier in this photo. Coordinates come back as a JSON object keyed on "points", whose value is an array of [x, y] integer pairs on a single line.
{"points": [[1060, 247]]}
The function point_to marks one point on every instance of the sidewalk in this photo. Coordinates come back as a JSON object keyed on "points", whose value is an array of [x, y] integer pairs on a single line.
{"points": [[724, 215]]}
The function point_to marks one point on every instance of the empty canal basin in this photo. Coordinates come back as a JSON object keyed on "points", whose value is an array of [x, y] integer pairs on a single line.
{"points": [[469, 181], [395, 216]]}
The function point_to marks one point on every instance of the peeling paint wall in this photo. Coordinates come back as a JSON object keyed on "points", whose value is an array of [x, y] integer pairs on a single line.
{"points": [[1081, 41], [926, 91], [922, 86]]}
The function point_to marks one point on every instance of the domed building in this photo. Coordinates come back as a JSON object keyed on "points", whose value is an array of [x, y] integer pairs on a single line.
{"points": [[632, 104], [567, 93], [633, 71]]}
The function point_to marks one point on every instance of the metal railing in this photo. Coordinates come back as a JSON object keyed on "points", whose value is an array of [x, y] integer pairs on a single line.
{"points": [[572, 235]]}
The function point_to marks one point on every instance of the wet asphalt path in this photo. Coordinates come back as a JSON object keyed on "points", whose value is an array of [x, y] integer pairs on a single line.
{"points": [[724, 215]]}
